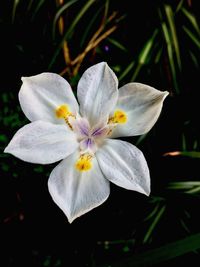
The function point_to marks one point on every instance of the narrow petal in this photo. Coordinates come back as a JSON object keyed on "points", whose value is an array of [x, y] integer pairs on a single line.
{"points": [[41, 95], [142, 105], [124, 165], [77, 192], [42, 142], [97, 92]]}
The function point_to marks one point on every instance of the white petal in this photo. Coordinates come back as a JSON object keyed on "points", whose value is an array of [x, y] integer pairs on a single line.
{"points": [[142, 105], [42, 94], [124, 165], [97, 92], [42, 142], [77, 192]]}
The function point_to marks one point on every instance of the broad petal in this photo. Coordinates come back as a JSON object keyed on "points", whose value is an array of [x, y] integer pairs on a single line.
{"points": [[77, 192], [97, 92], [42, 94], [142, 105], [42, 142], [124, 165]]}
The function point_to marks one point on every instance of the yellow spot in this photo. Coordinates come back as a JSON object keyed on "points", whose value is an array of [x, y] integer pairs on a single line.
{"points": [[119, 116], [84, 163], [62, 112]]}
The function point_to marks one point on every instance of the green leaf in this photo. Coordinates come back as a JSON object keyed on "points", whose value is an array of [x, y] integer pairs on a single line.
{"points": [[59, 12], [15, 4], [154, 223], [89, 26], [170, 54], [192, 19], [161, 254], [71, 29], [144, 54], [173, 36], [127, 70], [195, 39], [184, 144], [186, 185], [39, 5], [147, 48], [191, 154], [117, 44]]}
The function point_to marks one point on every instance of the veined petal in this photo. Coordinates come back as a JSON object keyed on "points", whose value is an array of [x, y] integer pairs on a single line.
{"points": [[124, 165], [81, 127], [42, 142], [41, 95], [142, 105], [97, 92], [77, 192]]}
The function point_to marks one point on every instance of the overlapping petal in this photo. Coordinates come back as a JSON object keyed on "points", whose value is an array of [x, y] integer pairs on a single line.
{"points": [[124, 165], [142, 104], [97, 92], [80, 182], [42, 142], [77, 192], [42, 94]]}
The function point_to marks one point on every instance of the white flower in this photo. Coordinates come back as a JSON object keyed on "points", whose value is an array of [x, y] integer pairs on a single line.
{"points": [[82, 136]]}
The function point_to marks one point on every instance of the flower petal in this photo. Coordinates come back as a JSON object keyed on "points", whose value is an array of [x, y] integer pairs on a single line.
{"points": [[142, 105], [42, 94], [42, 142], [97, 92], [124, 165], [77, 192], [81, 127]]}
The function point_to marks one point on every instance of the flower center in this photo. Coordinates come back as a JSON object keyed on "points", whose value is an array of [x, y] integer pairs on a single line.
{"points": [[89, 138]]}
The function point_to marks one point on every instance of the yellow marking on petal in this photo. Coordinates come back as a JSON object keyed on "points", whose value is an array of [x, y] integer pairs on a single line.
{"points": [[84, 163], [62, 112], [119, 116]]}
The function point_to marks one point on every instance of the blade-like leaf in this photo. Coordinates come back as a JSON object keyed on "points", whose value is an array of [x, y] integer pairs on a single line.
{"points": [[170, 55], [192, 19], [71, 29], [59, 12], [170, 18], [127, 70], [144, 54], [157, 217], [117, 44], [161, 254], [195, 39], [147, 48], [15, 4]]}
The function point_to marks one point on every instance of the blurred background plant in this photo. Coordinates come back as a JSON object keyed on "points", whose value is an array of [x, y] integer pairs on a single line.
{"points": [[156, 42]]}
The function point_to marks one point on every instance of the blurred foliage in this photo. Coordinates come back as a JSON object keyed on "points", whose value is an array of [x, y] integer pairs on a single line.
{"points": [[158, 43]]}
